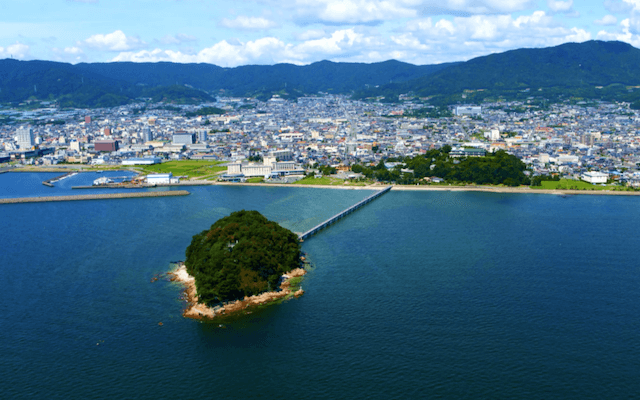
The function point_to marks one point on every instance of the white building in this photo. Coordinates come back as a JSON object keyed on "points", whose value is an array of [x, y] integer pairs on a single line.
{"points": [[269, 168], [182, 138], [25, 137], [142, 161], [594, 177], [493, 135], [161, 179], [468, 110]]}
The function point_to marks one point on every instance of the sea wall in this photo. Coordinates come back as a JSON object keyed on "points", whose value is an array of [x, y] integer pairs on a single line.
{"points": [[94, 197]]}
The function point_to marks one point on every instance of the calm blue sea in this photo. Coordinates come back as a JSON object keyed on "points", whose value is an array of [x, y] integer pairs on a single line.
{"points": [[416, 295]]}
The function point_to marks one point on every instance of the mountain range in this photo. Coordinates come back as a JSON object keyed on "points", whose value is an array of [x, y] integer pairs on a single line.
{"points": [[594, 70]]}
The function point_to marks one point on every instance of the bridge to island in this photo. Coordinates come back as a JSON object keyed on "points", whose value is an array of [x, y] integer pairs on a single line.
{"points": [[340, 215]]}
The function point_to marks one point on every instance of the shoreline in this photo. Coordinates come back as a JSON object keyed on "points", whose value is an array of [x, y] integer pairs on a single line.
{"points": [[442, 188], [201, 312], [521, 190], [379, 186]]}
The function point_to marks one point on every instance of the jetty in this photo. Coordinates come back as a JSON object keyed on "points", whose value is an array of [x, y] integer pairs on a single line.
{"points": [[94, 197], [342, 214], [50, 182]]}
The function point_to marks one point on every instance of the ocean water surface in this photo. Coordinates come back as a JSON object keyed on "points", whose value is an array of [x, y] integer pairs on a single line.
{"points": [[418, 294]]}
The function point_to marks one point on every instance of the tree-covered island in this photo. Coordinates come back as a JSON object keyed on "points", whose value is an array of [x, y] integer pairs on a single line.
{"points": [[240, 261]]}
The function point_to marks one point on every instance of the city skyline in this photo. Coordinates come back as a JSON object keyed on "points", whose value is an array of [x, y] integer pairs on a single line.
{"points": [[304, 31]]}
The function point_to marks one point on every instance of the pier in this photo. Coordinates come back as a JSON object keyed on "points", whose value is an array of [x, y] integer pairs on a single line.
{"points": [[50, 182], [94, 197], [342, 214]]}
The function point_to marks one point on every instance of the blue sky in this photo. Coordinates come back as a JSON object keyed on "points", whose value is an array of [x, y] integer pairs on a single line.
{"points": [[232, 33]]}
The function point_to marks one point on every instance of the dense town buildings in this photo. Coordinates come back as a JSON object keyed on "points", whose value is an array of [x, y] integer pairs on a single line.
{"points": [[568, 140]]}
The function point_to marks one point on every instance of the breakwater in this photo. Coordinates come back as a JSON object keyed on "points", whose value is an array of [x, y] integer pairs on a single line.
{"points": [[342, 214], [93, 197], [49, 182]]}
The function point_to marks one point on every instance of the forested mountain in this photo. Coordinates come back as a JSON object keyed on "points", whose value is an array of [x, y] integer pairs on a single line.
{"points": [[593, 69], [107, 84]]}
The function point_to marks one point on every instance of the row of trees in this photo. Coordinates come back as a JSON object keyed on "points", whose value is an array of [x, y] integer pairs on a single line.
{"points": [[241, 255]]}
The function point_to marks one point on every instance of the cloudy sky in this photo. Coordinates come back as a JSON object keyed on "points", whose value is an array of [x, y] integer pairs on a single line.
{"points": [[232, 33]]}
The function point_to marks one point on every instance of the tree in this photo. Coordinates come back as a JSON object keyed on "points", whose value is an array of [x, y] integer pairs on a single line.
{"points": [[241, 255]]}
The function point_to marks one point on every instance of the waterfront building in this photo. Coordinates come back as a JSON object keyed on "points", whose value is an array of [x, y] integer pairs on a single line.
{"points": [[161, 179], [595, 177]]}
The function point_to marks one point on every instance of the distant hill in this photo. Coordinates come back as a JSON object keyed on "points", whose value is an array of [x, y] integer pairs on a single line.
{"points": [[108, 84], [590, 70], [73, 86], [572, 69], [253, 80]]}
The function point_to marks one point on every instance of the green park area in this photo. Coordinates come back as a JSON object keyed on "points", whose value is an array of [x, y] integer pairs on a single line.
{"points": [[569, 184], [328, 181], [191, 168]]}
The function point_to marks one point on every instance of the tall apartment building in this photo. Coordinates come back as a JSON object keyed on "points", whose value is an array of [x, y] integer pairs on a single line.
{"points": [[25, 137], [147, 136]]}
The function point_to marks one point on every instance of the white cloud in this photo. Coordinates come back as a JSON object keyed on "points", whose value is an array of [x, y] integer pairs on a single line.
{"points": [[248, 23], [620, 6], [116, 41], [466, 37], [17, 50], [341, 44], [177, 39], [69, 54], [73, 50], [560, 6], [311, 34], [261, 51], [377, 11], [607, 20], [626, 33]]}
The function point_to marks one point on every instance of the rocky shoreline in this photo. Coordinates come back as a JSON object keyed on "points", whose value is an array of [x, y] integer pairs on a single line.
{"points": [[200, 311]]}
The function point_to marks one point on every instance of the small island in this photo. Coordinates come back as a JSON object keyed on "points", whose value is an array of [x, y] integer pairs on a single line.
{"points": [[243, 260]]}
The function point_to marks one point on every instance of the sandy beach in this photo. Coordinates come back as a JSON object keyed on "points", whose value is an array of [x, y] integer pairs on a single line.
{"points": [[442, 188], [199, 311]]}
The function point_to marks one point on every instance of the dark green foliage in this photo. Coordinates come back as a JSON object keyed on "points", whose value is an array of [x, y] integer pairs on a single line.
{"points": [[327, 170], [241, 255], [205, 111], [431, 112], [495, 169], [537, 180]]}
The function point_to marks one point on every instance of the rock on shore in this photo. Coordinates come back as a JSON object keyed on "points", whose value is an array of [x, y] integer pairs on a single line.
{"points": [[200, 311]]}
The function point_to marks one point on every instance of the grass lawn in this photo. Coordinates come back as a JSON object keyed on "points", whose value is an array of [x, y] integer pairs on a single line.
{"points": [[256, 179], [575, 185], [327, 180], [190, 168]]}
